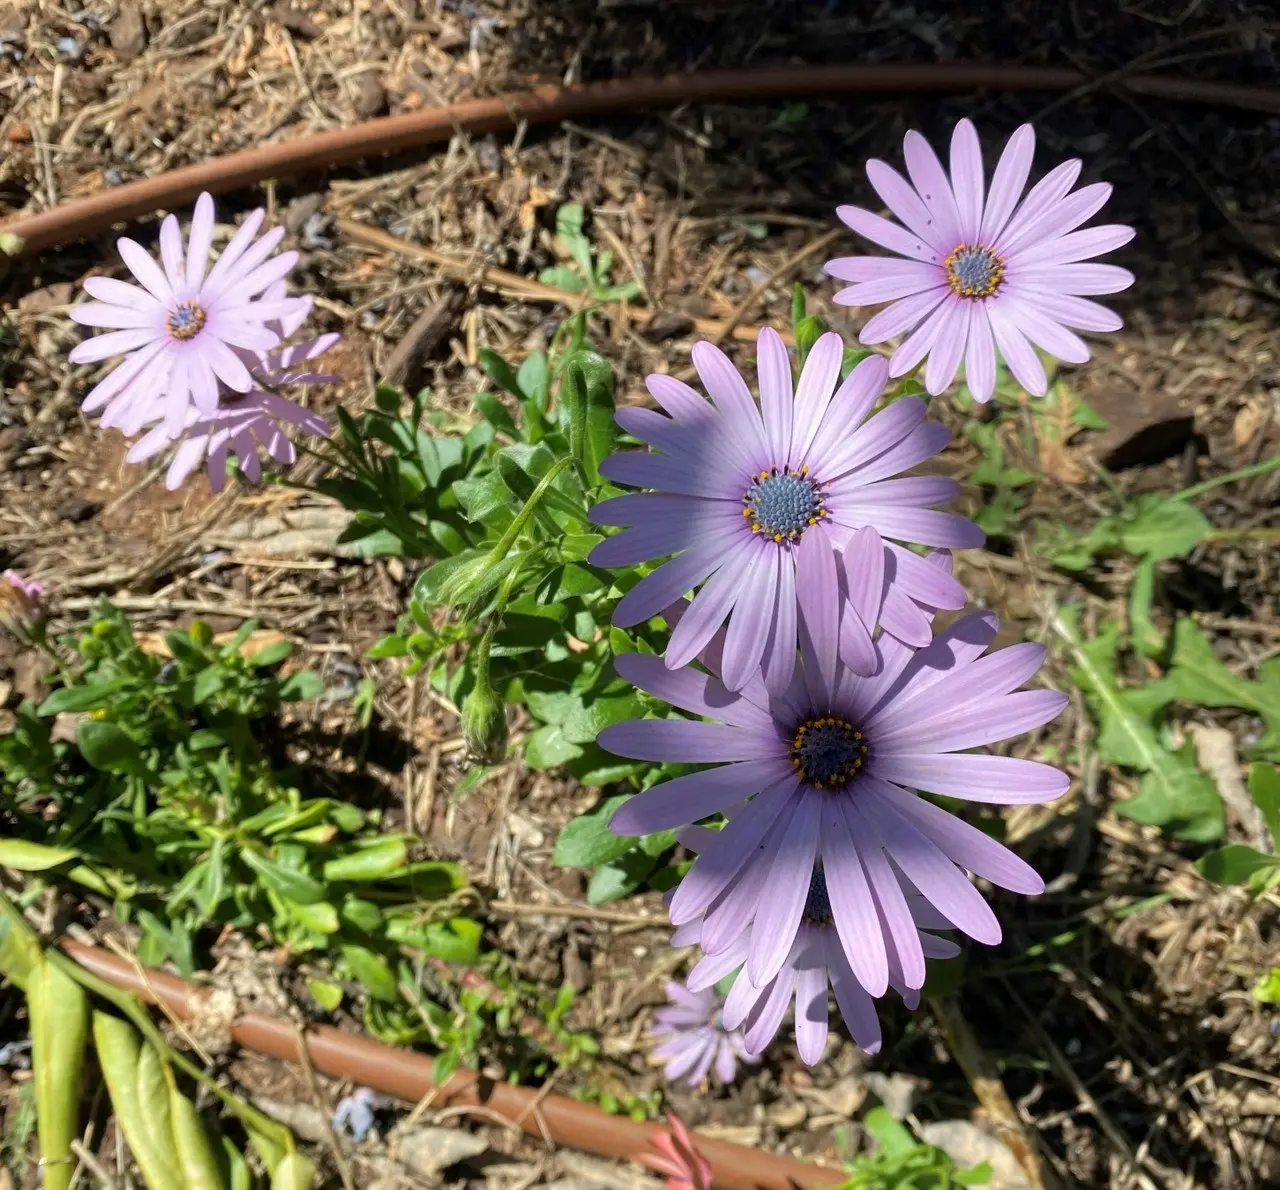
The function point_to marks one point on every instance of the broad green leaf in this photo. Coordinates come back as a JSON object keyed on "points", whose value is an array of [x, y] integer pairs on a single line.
{"points": [[107, 747], [1177, 797], [582, 727], [1147, 639], [362, 914], [619, 877], [1165, 529], [495, 413], [587, 840], [1202, 679], [272, 654], [321, 916], [327, 995], [455, 941], [302, 686], [499, 371], [547, 748], [552, 706], [391, 645], [1234, 864], [372, 972], [380, 859], [208, 682], [893, 1138], [534, 379], [22, 856], [84, 698], [1264, 788], [293, 886]]}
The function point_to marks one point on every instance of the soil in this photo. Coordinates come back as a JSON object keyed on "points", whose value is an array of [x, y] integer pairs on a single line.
{"points": [[1125, 1035]]}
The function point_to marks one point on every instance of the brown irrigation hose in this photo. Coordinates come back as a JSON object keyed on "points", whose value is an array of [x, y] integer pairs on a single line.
{"points": [[408, 1076], [549, 104]]}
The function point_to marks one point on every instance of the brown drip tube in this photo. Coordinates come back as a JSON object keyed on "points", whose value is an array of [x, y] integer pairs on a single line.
{"points": [[548, 104], [408, 1076]]}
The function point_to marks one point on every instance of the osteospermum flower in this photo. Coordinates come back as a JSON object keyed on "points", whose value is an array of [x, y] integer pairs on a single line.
{"points": [[982, 274], [678, 1158], [761, 504], [694, 1041], [20, 603], [816, 959], [257, 420], [831, 766], [180, 327]]}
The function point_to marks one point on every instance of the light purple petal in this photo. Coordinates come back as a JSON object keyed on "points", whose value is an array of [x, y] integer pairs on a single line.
{"points": [[975, 727], [236, 333], [1007, 183], [711, 969], [943, 884], [185, 460], [231, 282], [780, 656], [726, 1062], [923, 581], [171, 255], [639, 508], [856, 1008], [980, 358], [688, 741], [178, 396], [1045, 333], [710, 606], [1079, 245], [151, 443], [852, 908], [1068, 278], [148, 273], [916, 491], [811, 1001], [1016, 351], [731, 396], [814, 393], [691, 525], [818, 588], [921, 341], [1043, 195], [640, 469], [199, 241], [112, 343], [888, 235], [853, 401], [752, 617], [903, 620], [898, 924], [923, 526], [873, 439], [699, 795], [119, 317], [691, 690], [226, 364], [665, 585], [964, 844], [967, 179], [266, 274], [1064, 216], [765, 1018], [904, 279], [930, 180], [901, 198], [742, 999], [1072, 311], [948, 349], [231, 254], [773, 368], [778, 916], [993, 780], [121, 293], [901, 316], [733, 910]]}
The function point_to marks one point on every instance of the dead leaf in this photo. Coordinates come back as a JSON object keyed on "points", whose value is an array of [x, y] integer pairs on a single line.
{"points": [[968, 1145], [1055, 426], [154, 643], [1248, 422]]}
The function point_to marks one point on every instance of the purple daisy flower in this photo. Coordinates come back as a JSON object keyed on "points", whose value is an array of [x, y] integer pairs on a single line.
{"points": [[830, 766], [815, 961], [180, 328], [979, 275], [761, 506], [696, 1042]]}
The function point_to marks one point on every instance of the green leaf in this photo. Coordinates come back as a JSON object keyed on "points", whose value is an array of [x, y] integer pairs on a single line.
{"points": [[301, 687], [619, 877], [272, 654], [1173, 793], [499, 371], [327, 995], [22, 856], [321, 916], [582, 727], [587, 840], [547, 748], [893, 1138], [1267, 989], [481, 496], [1202, 679], [599, 428], [495, 413], [84, 698], [1264, 788], [1234, 864], [391, 645], [534, 379], [293, 886], [379, 859], [1147, 639], [372, 972], [1165, 529], [562, 277], [208, 682], [455, 941], [552, 706], [107, 748]]}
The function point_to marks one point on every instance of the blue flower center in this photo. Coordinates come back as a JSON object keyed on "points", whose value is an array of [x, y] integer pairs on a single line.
{"points": [[974, 271], [827, 752], [783, 504], [186, 320], [817, 905]]}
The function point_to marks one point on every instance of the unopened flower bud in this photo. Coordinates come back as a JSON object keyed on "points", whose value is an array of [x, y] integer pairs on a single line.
{"points": [[20, 609], [484, 725]]}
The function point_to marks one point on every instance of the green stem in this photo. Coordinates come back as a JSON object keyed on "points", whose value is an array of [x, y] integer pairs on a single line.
{"points": [[1243, 535], [509, 538], [1244, 473]]}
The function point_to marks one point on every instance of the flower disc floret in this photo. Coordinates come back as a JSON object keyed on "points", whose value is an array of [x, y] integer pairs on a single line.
{"points": [[974, 271], [827, 752], [783, 504]]}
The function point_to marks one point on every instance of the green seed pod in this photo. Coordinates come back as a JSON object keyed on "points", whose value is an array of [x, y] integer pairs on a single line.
{"points": [[59, 1012], [120, 1051]]}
